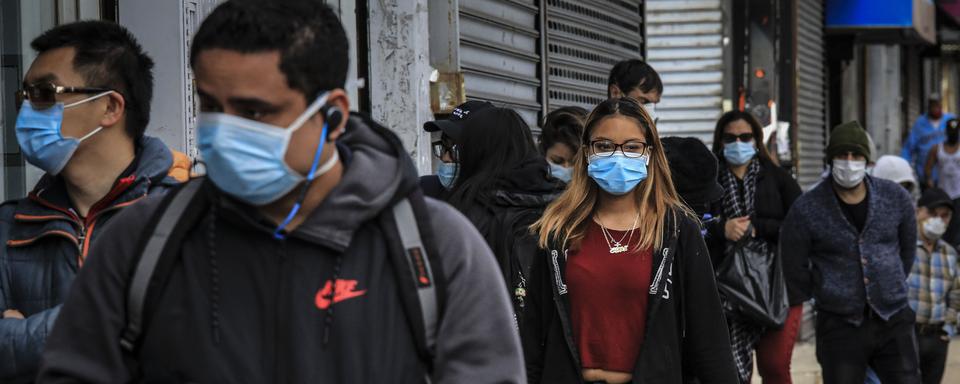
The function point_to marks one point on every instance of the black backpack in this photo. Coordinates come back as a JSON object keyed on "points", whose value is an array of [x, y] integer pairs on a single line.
{"points": [[411, 249]]}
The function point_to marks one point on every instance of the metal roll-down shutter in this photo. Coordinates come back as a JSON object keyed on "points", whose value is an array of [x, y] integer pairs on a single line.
{"points": [[811, 93], [585, 38], [499, 54], [685, 46]]}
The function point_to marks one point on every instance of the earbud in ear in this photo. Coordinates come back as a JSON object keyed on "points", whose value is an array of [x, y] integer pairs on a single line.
{"points": [[333, 117]]}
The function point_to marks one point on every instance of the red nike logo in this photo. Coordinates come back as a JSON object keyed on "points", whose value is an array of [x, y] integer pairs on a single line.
{"points": [[346, 289]]}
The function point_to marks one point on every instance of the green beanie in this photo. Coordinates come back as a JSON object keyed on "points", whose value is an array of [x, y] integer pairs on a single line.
{"points": [[848, 137]]}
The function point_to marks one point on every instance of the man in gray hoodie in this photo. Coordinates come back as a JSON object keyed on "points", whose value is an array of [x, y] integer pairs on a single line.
{"points": [[286, 275]]}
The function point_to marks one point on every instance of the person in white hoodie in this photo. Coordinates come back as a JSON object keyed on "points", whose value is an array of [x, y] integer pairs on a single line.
{"points": [[898, 170]]}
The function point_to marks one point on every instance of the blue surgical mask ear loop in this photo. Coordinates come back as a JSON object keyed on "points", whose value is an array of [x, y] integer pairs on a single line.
{"points": [[279, 234]]}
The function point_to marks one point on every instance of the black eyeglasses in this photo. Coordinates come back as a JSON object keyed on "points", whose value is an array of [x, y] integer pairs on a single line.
{"points": [[743, 137], [44, 95], [605, 148], [440, 148]]}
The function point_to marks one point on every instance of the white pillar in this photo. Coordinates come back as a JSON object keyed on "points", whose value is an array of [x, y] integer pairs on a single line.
{"points": [[884, 99], [400, 73]]}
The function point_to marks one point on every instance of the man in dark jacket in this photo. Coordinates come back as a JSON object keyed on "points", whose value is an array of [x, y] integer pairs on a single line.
{"points": [[46, 236], [849, 244], [286, 276]]}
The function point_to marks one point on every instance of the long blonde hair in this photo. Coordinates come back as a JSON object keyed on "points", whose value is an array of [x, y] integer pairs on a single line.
{"points": [[565, 219]]}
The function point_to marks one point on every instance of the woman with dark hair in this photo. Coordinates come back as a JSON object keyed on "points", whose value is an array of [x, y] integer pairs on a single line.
{"points": [[502, 185], [623, 291], [560, 140], [757, 196]]}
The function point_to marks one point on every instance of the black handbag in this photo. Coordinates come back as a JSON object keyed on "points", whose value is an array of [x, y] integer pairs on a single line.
{"points": [[751, 282]]}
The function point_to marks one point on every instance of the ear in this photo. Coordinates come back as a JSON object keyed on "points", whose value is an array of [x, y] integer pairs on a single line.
{"points": [[338, 102], [114, 111], [614, 91]]}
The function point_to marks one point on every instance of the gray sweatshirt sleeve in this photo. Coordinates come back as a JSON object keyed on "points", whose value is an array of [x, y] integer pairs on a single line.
{"points": [[477, 341]]}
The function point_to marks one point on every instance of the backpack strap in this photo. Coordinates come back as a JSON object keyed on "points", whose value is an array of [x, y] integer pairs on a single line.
{"points": [[168, 223], [419, 273]]}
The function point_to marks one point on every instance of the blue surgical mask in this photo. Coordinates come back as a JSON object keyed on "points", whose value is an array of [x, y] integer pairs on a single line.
{"points": [[559, 172], [616, 173], [738, 152], [245, 158], [447, 172], [40, 137]]}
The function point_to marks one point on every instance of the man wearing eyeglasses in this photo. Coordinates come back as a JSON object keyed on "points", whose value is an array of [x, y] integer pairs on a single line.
{"points": [[446, 149], [82, 112]]}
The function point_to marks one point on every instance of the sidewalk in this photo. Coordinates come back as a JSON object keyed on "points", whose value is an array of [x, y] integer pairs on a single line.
{"points": [[806, 370]]}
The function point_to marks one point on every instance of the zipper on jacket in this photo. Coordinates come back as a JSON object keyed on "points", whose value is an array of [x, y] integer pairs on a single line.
{"points": [[655, 286]]}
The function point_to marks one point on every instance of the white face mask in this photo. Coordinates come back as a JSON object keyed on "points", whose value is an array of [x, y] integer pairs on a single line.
{"points": [[933, 228], [849, 173], [652, 110]]}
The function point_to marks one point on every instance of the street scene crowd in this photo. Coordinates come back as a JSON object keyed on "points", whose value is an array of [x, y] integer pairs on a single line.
{"points": [[305, 247]]}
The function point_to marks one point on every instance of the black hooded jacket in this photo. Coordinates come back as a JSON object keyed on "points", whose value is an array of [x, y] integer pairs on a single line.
{"points": [[686, 335], [504, 213], [243, 307]]}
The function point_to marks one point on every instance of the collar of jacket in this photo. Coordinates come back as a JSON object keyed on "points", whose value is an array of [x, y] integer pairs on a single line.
{"points": [[825, 192], [47, 212], [377, 173]]}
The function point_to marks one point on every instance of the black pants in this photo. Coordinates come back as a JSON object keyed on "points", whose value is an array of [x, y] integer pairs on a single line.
{"points": [[934, 343], [889, 347]]}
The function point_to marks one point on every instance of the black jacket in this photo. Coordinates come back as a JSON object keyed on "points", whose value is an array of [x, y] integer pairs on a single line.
{"points": [[686, 335], [242, 306], [504, 213], [776, 192]]}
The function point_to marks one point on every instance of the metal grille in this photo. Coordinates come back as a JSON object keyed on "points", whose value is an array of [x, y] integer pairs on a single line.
{"points": [[811, 107], [499, 54], [585, 38], [685, 45]]}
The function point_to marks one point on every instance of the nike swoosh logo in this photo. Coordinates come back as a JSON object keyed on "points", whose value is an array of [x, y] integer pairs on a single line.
{"points": [[346, 290]]}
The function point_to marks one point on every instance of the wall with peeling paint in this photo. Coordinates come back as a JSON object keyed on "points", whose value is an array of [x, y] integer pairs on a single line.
{"points": [[400, 71]]}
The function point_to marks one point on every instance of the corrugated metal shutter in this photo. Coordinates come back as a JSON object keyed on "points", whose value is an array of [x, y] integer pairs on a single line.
{"points": [[811, 106], [585, 38], [499, 54], [685, 45]]}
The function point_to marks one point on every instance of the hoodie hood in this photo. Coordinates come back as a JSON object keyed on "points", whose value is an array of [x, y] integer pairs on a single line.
{"points": [[529, 184], [377, 173], [894, 168]]}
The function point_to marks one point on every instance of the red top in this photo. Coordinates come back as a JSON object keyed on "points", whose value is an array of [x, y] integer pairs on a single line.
{"points": [[608, 300]]}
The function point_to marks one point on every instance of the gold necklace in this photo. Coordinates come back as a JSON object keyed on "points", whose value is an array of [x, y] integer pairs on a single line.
{"points": [[614, 245]]}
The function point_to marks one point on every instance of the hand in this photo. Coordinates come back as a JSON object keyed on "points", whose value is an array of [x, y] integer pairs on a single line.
{"points": [[12, 314], [736, 228]]}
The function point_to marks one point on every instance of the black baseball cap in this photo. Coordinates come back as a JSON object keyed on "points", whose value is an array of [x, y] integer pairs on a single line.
{"points": [[935, 197], [453, 125]]}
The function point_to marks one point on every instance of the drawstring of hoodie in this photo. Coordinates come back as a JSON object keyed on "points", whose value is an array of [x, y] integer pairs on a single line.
{"points": [[214, 273], [328, 321]]}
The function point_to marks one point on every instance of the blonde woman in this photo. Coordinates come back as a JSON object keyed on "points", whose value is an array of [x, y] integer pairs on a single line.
{"points": [[624, 291]]}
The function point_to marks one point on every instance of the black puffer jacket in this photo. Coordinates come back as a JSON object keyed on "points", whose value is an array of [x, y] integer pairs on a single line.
{"points": [[686, 335], [504, 213]]}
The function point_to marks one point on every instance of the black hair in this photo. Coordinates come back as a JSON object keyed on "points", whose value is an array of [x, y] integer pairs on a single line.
{"points": [[565, 126], [495, 141], [634, 73], [307, 33], [108, 56], [755, 128]]}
